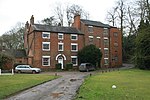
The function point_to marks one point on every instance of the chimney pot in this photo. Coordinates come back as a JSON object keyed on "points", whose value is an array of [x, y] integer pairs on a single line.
{"points": [[32, 20]]}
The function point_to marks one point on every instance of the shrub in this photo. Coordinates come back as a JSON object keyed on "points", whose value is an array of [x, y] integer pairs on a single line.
{"points": [[69, 66], [58, 66]]}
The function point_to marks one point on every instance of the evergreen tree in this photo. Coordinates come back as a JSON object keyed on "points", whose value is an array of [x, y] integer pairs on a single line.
{"points": [[142, 55], [90, 54]]}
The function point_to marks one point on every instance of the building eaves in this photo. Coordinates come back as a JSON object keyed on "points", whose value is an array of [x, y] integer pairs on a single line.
{"points": [[55, 29], [95, 23]]}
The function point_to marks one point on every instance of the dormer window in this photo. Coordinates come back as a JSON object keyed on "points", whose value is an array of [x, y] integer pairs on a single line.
{"points": [[45, 35]]}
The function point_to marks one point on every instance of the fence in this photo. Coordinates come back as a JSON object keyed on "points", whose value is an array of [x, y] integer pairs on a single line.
{"points": [[12, 72]]}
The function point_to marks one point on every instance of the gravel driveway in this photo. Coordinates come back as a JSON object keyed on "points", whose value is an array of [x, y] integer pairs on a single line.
{"points": [[63, 88]]}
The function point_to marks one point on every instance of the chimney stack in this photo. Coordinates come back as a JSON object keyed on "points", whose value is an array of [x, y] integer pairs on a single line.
{"points": [[77, 22], [27, 25], [32, 20]]}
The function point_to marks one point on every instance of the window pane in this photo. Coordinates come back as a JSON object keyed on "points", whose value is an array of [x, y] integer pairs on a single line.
{"points": [[106, 61], [60, 36], [60, 47], [105, 32], [115, 34], [46, 45], [46, 61], [74, 47], [46, 35], [90, 29]]}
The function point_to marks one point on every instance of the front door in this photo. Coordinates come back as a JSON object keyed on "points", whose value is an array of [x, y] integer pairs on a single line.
{"points": [[60, 60]]}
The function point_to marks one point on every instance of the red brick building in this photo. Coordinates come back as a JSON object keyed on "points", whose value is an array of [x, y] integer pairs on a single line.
{"points": [[48, 45]]}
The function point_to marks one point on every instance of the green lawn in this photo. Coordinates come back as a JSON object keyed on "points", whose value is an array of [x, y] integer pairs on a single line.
{"points": [[13, 83], [131, 84]]}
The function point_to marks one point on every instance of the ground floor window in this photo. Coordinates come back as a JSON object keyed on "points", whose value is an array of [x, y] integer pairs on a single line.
{"points": [[106, 61], [74, 60], [46, 60]]}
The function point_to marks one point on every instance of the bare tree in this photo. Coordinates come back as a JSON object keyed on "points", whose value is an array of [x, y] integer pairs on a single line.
{"points": [[51, 21], [73, 10], [117, 14], [59, 11], [13, 39], [121, 10], [111, 16], [65, 15]]}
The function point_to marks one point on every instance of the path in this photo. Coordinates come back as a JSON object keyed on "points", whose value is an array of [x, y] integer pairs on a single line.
{"points": [[63, 88]]}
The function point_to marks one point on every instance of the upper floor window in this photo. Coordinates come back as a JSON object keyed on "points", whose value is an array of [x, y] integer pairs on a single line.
{"points": [[60, 36], [74, 37], [46, 46], [115, 34], [45, 60], [45, 35], [105, 32], [90, 29], [60, 46], [98, 37], [116, 44], [74, 47], [91, 38], [106, 42]]}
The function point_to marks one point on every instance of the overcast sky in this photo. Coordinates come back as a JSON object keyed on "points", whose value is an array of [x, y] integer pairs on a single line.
{"points": [[14, 11]]}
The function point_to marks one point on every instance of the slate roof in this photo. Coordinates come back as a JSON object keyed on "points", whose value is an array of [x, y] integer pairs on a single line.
{"points": [[18, 53], [57, 29], [95, 23]]}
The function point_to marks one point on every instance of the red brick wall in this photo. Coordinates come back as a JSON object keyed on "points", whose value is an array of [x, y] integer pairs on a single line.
{"points": [[114, 49], [37, 52]]}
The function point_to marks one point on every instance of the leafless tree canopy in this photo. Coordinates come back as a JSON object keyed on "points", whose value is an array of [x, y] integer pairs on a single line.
{"points": [[65, 14], [126, 14], [13, 39]]}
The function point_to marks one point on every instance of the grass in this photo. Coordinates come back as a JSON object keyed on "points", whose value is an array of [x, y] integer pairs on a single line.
{"points": [[10, 84], [131, 84]]}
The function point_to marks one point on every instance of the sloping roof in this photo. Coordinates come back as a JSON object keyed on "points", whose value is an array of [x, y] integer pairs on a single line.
{"points": [[57, 29], [94, 23], [17, 53], [20, 53]]}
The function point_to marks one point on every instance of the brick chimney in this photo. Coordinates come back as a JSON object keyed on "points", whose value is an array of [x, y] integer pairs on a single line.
{"points": [[27, 25], [77, 22], [32, 20]]}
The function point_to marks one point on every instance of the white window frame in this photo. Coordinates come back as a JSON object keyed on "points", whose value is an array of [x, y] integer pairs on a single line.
{"points": [[76, 60], [98, 37], [90, 29], [48, 60], [91, 37], [105, 38], [75, 36], [76, 47], [43, 46], [62, 36], [62, 46], [46, 33]]}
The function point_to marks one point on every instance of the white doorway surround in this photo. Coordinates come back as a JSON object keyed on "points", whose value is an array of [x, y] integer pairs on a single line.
{"points": [[61, 61], [60, 58]]}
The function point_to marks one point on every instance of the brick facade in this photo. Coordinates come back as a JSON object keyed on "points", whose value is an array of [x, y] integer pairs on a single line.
{"points": [[48, 45]]}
